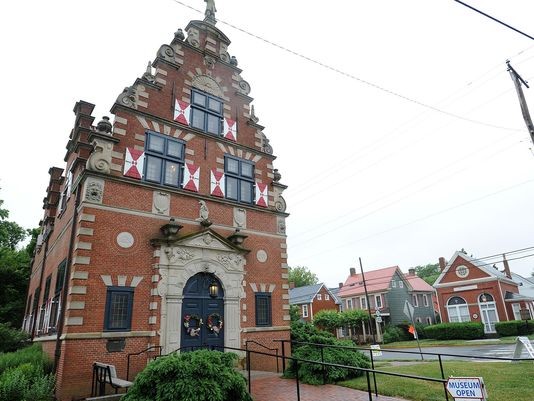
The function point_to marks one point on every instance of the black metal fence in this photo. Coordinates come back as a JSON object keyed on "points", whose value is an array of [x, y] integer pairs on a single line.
{"points": [[368, 372]]}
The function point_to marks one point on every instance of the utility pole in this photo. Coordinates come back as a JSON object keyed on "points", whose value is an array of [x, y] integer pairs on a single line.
{"points": [[518, 81], [367, 302]]}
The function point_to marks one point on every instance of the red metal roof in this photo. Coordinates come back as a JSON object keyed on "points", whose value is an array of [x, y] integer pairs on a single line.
{"points": [[418, 284], [376, 280]]}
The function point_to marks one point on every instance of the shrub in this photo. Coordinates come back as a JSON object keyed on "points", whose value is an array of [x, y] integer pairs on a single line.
{"points": [[312, 373], [11, 339], [515, 328], [303, 332], [26, 382], [392, 334], [33, 354], [191, 376], [455, 331]]}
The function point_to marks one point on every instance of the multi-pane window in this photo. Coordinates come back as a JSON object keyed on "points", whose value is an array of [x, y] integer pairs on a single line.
{"points": [[206, 112], [349, 304], [401, 284], [239, 179], [393, 284], [118, 313], [363, 303], [458, 310], [378, 301], [304, 310], [164, 159], [319, 297], [326, 297], [54, 310], [263, 309]]}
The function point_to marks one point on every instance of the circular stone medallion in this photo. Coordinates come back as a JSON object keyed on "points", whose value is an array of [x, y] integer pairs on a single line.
{"points": [[261, 255], [125, 240]]}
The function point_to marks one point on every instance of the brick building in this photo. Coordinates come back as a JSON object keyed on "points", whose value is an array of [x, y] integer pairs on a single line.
{"points": [[311, 299], [470, 290], [165, 223]]}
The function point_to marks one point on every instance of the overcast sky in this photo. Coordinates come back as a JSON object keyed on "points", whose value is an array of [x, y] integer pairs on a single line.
{"points": [[410, 146]]}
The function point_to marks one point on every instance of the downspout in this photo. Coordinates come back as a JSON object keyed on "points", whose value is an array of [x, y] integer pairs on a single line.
{"points": [[39, 288], [64, 291]]}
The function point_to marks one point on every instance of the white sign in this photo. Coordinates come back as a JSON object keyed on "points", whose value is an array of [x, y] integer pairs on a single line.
{"points": [[376, 350], [408, 309], [523, 342], [467, 388]]}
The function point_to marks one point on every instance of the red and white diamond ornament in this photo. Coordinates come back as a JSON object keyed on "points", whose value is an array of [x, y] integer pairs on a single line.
{"points": [[191, 177], [262, 194], [217, 183], [133, 163], [181, 111], [230, 129]]}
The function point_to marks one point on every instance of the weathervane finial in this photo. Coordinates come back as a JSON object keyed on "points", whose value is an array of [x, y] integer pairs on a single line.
{"points": [[210, 12]]}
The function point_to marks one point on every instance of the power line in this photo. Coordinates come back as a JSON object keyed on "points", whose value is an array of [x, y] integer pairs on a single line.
{"points": [[351, 76], [507, 253], [349, 243], [494, 19]]}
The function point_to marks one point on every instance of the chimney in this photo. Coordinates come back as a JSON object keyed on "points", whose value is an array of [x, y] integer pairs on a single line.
{"points": [[291, 285], [506, 267], [411, 271], [340, 285], [442, 263], [352, 271]]}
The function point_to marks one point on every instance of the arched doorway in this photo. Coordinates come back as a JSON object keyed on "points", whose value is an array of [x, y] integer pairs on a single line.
{"points": [[488, 312], [202, 312]]}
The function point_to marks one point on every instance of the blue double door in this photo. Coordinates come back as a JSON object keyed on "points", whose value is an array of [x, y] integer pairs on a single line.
{"points": [[199, 306]]}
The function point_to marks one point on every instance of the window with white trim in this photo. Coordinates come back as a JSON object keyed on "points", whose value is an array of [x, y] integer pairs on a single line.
{"points": [[401, 284], [458, 310], [425, 299], [428, 320], [164, 159], [414, 300], [319, 297], [378, 301], [418, 320], [206, 112], [239, 178], [326, 297], [304, 310], [363, 303], [349, 304], [393, 284], [517, 311]]}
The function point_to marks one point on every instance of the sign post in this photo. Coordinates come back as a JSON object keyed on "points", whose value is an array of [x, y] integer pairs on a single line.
{"points": [[467, 388], [408, 311]]}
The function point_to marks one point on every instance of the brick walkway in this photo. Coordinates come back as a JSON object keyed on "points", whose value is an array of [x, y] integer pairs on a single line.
{"points": [[271, 387]]}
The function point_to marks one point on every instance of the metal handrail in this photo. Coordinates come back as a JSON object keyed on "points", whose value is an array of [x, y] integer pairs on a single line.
{"points": [[264, 346], [159, 347]]}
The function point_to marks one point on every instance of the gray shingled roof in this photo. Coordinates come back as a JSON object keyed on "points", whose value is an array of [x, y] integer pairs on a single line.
{"points": [[303, 295]]}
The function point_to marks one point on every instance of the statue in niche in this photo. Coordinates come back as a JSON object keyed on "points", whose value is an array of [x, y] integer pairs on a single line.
{"points": [[204, 214]]}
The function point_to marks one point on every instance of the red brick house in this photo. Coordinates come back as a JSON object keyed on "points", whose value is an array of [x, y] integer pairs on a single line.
{"points": [[167, 225], [311, 299], [471, 290]]}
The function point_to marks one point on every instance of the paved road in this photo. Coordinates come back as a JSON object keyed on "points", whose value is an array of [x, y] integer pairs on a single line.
{"points": [[494, 351]]}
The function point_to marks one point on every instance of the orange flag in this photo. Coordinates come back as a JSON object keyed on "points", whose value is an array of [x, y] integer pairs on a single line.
{"points": [[411, 330]]}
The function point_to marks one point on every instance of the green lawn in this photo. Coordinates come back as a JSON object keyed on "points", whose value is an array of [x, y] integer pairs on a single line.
{"points": [[504, 381]]}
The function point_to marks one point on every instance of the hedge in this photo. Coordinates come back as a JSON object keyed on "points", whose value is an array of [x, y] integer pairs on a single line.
{"points": [[455, 331], [515, 328]]}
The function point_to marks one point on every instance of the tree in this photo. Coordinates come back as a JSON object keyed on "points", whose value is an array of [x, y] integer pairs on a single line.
{"points": [[302, 276], [429, 272], [14, 269]]}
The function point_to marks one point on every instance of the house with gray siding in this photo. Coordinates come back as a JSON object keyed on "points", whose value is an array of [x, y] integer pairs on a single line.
{"points": [[388, 290]]}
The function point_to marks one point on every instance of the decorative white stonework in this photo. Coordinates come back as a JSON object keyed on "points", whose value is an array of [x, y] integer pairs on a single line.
{"points": [[94, 190], [205, 252], [161, 202], [261, 255], [240, 217], [125, 239]]}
